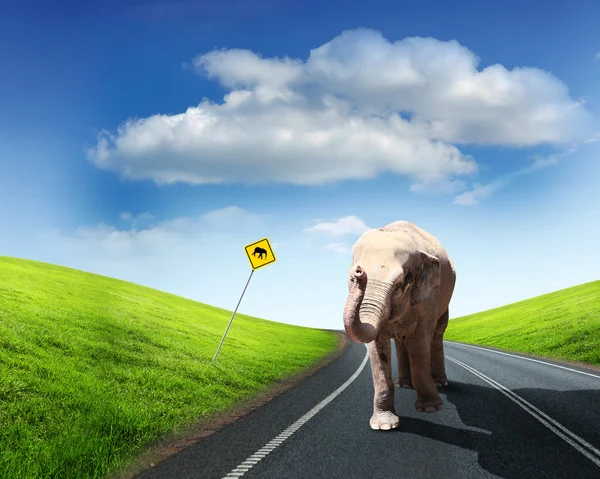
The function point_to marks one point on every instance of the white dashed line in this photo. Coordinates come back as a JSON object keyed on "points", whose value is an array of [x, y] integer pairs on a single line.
{"points": [[526, 359], [251, 461], [591, 453]]}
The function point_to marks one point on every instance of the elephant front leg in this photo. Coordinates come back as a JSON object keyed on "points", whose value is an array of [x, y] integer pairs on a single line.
{"points": [[403, 364], [419, 353], [438, 362], [384, 415]]}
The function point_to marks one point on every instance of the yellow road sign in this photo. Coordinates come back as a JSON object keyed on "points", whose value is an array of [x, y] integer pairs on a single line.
{"points": [[260, 253]]}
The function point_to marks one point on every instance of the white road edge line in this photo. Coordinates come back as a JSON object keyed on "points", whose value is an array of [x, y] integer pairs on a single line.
{"points": [[527, 359], [528, 404], [252, 460], [539, 415]]}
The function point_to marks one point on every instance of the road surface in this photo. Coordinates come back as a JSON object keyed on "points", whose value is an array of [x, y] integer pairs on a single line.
{"points": [[504, 416]]}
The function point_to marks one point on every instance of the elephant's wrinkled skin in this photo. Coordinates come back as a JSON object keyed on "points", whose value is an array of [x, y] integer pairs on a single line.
{"points": [[400, 285]]}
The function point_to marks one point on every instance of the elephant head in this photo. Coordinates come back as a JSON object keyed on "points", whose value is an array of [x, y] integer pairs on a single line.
{"points": [[388, 277]]}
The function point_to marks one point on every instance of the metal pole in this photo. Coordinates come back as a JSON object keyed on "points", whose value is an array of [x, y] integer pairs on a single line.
{"points": [[234, 311]]}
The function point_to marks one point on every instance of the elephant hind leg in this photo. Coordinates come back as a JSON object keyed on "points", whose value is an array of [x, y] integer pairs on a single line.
{"points": [[404, 380], [438, 364]]}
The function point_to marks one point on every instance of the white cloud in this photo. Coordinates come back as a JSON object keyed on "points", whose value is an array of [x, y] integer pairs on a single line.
{"points": [[441, 185], [482, 191], [243, 69], [145, 216], [165, 235], [479, 192], [593, 138], [336, 116], [597, 56], [349, 225], [230, 217], [337, 247], [127, 216]]}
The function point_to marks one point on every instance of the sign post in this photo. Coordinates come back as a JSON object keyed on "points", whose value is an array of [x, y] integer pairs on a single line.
{"points": [[259, 254]]}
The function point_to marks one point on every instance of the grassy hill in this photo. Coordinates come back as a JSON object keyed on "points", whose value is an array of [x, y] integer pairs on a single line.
{"points": [[93, 369], [560, 325]]}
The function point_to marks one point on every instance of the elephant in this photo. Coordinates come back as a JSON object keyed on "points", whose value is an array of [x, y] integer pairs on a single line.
{"points": [[260, 251], [400, 286]]}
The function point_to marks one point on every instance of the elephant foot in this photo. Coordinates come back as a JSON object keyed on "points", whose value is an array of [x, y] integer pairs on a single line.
{"points": [[440, 381], [429, 404], [384, 420], [403, 383]]}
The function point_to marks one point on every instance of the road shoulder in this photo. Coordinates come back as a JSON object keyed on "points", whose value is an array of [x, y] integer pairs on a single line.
{"points": [[169, 446]]}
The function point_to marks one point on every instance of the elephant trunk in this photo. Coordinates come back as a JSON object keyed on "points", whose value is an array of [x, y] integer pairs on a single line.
{"points": [[365, 312]]}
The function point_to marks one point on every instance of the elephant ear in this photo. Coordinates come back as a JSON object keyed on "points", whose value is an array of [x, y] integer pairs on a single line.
{"points": [[427, 277]]}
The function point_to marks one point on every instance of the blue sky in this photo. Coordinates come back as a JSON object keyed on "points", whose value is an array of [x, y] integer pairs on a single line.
{"points": [[483, 131]]}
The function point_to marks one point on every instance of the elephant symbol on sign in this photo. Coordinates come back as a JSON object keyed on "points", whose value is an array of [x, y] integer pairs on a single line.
{"points": [[260, 251]]}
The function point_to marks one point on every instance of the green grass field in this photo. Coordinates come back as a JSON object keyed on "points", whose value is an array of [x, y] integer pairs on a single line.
{"points": [[560, 325], [94, 369]]}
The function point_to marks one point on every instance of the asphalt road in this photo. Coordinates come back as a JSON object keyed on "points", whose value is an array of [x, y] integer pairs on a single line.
{"points": [[503, 416]]}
